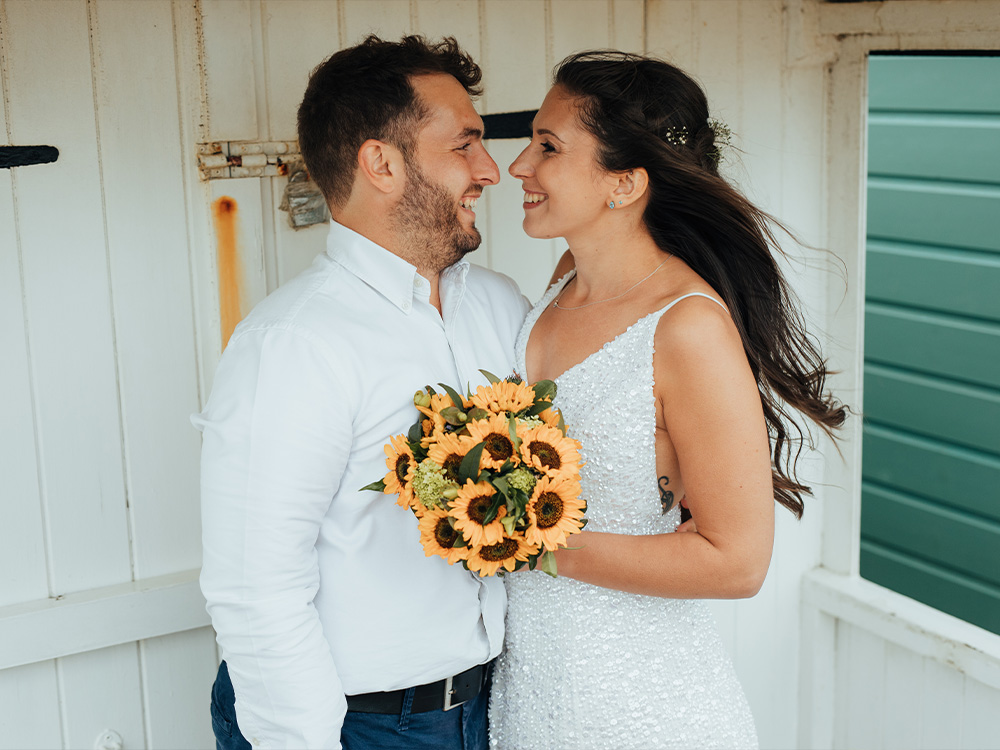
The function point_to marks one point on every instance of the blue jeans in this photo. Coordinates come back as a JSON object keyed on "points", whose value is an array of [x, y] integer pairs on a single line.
{"points": [[462, 728]]}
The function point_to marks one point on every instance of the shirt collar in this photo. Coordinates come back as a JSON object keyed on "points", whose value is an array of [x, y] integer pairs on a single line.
{"points": [[384, 271]]}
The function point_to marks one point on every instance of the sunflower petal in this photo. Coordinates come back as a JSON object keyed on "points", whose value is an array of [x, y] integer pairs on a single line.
{"points": [[455, 398]]}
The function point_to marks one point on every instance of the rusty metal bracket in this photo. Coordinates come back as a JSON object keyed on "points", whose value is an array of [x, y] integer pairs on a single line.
{"points": [[218, 160]]}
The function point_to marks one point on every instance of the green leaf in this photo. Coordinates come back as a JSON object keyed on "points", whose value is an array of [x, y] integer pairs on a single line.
{"points": [[494, 509], [460, 542], [454, 416], [544, 390], [508, 524], [490, 377], [430, 390], [455, 398], [469, 468], [378, 486], [478, 413], [501, 484], [548, 563], [562, 424], [416, 431], [537, 408], [512, 429]]}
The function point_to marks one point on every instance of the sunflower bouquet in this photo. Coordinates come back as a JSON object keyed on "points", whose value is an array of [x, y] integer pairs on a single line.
{"points": [[491, 477]]}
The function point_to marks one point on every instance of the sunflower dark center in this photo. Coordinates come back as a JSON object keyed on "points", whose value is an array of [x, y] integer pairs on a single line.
{"points": [[503, 550], [548, 510], [548, 455], [445, 535], [402, 466], [451, 465], [479, 507], [499, 446]]}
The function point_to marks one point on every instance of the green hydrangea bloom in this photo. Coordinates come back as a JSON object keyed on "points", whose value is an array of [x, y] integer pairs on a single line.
{"points": [[530, 422], [429, 482], [522, 479]]}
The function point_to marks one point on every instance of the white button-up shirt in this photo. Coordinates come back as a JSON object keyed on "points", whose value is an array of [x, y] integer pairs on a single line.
{"points": [[316, 589]]}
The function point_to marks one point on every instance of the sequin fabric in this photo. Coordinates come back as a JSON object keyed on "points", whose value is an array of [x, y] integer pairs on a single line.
{"points": [[585, 667]]}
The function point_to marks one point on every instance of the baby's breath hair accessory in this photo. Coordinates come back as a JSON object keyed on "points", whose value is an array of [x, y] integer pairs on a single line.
{"points": [[723, 138], [676, 136]]}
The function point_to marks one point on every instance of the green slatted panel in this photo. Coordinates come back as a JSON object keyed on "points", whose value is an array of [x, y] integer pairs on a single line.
{"points": [[926, 530], [928, 406], [973, 601], [962, 478], [936, 147], [933, 84], [952, 347], [934, 278], [930, 506], [936, 213]]}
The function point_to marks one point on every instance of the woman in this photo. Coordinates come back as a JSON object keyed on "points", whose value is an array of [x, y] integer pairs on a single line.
{"points": [[675, 347]]}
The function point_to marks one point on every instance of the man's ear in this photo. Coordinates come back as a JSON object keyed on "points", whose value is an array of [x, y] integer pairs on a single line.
{"points": [[630, 186], [381, 165]]}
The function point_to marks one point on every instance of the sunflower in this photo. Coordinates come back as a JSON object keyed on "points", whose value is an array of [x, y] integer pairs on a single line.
{"points": [[550, 452], [550, 417], [495, 432], [489, 558], [469, 511], [555, 511], [448, 452], [503, 397], [401, 464], [439, 537]]}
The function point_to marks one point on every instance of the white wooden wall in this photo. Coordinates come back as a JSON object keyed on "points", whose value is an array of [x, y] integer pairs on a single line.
{"points": [[109, 325]]}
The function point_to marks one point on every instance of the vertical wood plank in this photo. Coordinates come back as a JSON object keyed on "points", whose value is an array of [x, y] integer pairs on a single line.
{"points": [[817, 684], [941, 705], [628, 32], [842, 682], [866, 690], [577, 25], [22, 543], [151, 279], [178, 672], [100, 690], [67, 295], [229, 69], [389, 19], [458, 18], [295, 248], [671, 32], [980, 716], [904, 672], [514, 80], [298, 36], [246, 193], [29, 708]]}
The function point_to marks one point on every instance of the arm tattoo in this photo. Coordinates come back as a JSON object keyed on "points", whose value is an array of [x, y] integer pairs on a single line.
{"points": [[666, 496]]}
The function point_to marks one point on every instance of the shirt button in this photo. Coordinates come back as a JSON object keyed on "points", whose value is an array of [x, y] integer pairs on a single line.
{"points": [[406, 305]]}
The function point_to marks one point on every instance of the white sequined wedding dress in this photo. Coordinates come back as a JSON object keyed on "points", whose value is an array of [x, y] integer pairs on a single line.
{"points": [[588, 667]]}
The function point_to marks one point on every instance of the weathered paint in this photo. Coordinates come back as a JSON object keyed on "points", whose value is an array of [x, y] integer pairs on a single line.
{"points": [[225, 218]]}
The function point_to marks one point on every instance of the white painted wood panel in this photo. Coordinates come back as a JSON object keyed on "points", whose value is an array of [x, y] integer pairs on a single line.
{"points": [[904, 673], [29, 708], [940, 703], [22, 542], [230, 78], [151, 283], [578, 25], [67, 295], [389, 19], [178, 672], [99, 690], [298, 36], [980, 716], [628, 30], [458, 18], [247, 193]]}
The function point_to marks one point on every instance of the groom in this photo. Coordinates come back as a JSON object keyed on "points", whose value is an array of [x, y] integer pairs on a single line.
{"points": [[335, 628]]}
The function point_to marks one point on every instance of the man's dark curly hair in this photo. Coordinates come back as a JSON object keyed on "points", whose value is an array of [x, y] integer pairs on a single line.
{"points": [[365, 92]]}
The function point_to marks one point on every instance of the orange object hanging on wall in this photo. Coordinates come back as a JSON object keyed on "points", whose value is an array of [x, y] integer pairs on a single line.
{"points": [[224, 214]]}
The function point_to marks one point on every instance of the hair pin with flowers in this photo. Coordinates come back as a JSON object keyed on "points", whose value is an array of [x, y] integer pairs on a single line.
{"points": [[492, 477]]}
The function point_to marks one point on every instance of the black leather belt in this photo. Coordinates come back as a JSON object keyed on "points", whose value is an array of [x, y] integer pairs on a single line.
{"points": [[442, 695]]}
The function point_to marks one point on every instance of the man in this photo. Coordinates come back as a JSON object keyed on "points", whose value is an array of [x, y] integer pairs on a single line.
{"points": [[336, 629]]}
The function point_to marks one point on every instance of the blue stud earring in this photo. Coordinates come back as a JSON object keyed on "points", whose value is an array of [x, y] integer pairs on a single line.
{"points": [[611, 204]]}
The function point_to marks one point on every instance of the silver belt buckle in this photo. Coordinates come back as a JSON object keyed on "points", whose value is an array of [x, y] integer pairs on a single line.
{"points": [[448, 692]]}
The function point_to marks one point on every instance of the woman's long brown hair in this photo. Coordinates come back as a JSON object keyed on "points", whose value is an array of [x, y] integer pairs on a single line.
{"points": [[647, 113]]}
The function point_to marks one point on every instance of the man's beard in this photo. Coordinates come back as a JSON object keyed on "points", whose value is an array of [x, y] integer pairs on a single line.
{"points": [[428, 222]]}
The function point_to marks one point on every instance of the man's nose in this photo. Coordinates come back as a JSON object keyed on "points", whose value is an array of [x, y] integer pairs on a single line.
{"points": [[486, 170]]}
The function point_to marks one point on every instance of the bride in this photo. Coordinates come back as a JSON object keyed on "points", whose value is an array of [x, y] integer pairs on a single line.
{"points": [[677, 352]]}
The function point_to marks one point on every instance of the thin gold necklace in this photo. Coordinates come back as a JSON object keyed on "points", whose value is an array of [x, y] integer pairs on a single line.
{"points": [[555, 302]]}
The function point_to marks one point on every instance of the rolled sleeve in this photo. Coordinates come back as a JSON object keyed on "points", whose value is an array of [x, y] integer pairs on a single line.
{"points": [[277, 436]]}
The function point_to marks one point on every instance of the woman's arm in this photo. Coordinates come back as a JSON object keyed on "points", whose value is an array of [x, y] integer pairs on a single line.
{"points": [[713, 415]]}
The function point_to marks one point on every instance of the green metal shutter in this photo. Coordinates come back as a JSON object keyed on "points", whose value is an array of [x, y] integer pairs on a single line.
{"points": [[930, 513]]}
